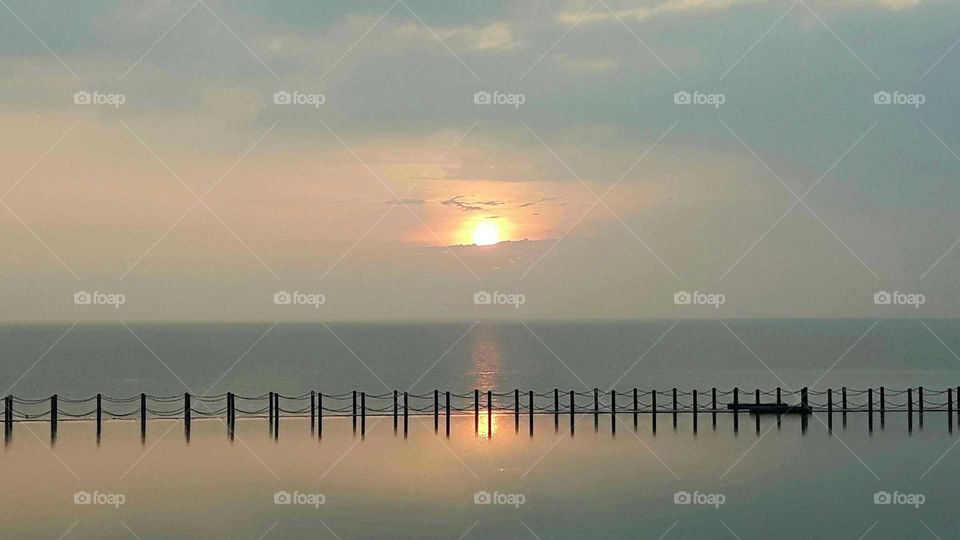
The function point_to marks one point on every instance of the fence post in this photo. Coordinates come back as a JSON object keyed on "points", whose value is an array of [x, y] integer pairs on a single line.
{"points": [[313, 411], [53, 416], [270, 413], [276, 412], [489, 414], [756, 398], [395, 411], [653, 409], [143, 415], [694, 410], [319, 414], [843, 407], [870, 408], [910, 409], [516, 409], [613, 411], [736, 411], [920, 404], [636, 404], [573, 410], [363, 414], [596, 409], [950, 408], [476, 410], [883, 405], [406, 412], [7, 416], [830, 409], [354, 415], [674, 407], [99, 415], [556, 410], [530, 401], [447, 395], [436, 410], [713, 394], [187, 409]]}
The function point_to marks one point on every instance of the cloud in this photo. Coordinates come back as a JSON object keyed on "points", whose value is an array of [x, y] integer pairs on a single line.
{"points": [[585, 64], [497, 36], [470, 205], [699, 7]]}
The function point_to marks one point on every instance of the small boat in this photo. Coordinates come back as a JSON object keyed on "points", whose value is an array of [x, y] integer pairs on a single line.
{"points": [[770, 408]]}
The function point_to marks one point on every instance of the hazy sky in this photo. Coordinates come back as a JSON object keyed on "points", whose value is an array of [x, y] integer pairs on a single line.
{"points": [[372, 197]]}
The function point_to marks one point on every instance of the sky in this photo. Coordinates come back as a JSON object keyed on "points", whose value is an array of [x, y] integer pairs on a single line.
{"points": [[191, 160]]}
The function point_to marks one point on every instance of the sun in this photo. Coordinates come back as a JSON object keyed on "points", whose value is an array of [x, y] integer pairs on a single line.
{"points": [[486, 233]]}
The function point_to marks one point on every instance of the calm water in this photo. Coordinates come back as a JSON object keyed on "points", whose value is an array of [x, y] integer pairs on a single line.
{"points": [[297, 358], [778, 482]]}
